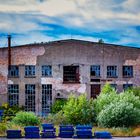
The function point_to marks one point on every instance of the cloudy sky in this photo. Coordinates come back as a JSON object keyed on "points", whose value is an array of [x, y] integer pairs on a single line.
{"points": [[29, 21]]}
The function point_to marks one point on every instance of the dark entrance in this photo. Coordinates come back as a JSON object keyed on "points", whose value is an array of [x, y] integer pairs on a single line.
{"points": [[95, 90]]}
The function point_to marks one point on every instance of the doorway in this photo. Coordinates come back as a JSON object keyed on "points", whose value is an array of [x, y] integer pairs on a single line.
{"points": [[95, 90]]}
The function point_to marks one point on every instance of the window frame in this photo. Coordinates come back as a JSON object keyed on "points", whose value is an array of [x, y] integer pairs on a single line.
{"points": [[111, 71], [46, 98], [30, 71], [13, 71], [114, 86], [96, 69], [75, 76], [13, 94], [46, 72], [127, 86], [127, 71], [30, 97]]}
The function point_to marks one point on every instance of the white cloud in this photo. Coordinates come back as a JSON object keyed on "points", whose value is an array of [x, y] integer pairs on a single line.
{"points": [[98, 16]]}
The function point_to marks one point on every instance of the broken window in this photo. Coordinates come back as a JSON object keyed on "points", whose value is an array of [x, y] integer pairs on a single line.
{"points": [[13, 71], [46, 70], [71, 74], [46, 99], [111, 71], [95, 70], [127, 71], [30, 97], [127, 86], [30, 70], [13, 95]]}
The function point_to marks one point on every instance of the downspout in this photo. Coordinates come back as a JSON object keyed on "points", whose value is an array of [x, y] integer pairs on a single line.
{"points": [[9, 50], [9, 60]]}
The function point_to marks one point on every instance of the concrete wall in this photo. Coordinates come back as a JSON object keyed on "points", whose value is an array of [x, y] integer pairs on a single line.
{"points": [[62, 53]]}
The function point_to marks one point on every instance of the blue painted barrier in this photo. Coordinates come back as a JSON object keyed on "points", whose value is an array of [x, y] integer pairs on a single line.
{"points": [[66, 131], [1, 114], [83, 131], [13, 134], [102, 135], [48, 131], [32, 132]]}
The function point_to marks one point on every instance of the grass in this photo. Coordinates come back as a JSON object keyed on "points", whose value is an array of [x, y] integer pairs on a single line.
{"points": [[122, 132]]}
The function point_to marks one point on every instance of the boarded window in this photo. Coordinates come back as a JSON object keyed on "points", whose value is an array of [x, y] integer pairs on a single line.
{"points": [[71, 74], [13, 71], [46, 99], [46, 70], [30, 98], [127, 71], [13, 95], [95, 70], [29, 70], [111, 71]]}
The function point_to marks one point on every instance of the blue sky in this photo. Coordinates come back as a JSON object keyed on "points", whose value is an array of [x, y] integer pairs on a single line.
{"points": [[29, 21]]}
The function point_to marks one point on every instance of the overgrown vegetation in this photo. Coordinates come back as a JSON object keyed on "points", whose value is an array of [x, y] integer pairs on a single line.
{"points": [[58, 105], [119, 114], [3, 128], [79, 110], [10, 111], [57, 118], [135, 90], [25, 119], [116, 112]]}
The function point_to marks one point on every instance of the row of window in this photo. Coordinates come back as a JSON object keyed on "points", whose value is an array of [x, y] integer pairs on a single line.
{"points": [[71, 73], [125, 86], [112, 71], [13, 97], [29, 71]]}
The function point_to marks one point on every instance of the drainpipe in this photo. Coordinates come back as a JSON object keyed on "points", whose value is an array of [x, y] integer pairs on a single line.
{"points": [[9, 50]]}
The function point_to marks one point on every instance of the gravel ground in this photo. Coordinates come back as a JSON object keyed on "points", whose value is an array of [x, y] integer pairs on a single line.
{"points": [[114, 138]]}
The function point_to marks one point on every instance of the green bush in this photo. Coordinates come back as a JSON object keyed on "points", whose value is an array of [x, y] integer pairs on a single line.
{"points": [[57, 118], [79, 110], [105, 99], [10, 111], [25, 119], [109, 97], [107, 88], [58, 105], [135, 91], [3, 129], [129, 97], [119, 114]]}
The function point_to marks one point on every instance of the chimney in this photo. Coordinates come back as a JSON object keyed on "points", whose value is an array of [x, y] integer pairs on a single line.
{"points": [[9, 50]]}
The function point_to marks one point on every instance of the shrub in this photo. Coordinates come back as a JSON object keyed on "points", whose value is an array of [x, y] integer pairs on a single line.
{"points": [[57, 118], [58, 105], [105, 99], [135, 91], [79, 110], [25, 119], [3, 129], [9, 111], [107, 89], [119, 114], [129, 97]]}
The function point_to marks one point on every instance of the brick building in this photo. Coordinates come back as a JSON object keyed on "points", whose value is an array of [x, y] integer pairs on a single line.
{"points": [[35, 75]]}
